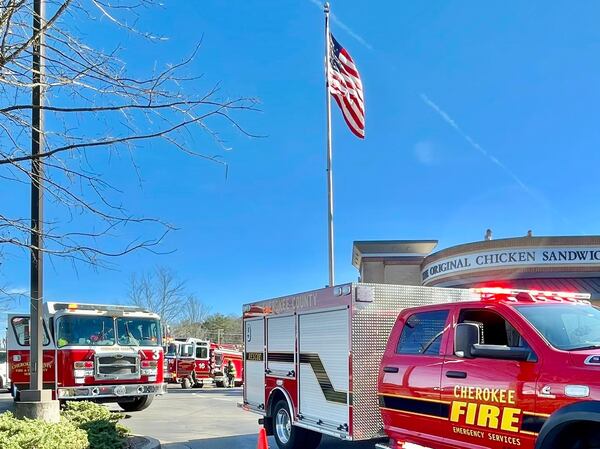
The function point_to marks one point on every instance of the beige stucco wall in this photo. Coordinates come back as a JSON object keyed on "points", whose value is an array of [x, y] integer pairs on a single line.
{"points": [[382, 273]]}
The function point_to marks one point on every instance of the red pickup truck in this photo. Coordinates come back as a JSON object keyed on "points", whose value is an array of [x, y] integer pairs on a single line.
{"points": [[515, 369], [410, 366]]}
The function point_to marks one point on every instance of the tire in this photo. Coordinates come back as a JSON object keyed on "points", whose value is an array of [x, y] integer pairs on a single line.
{"points": [[198, 384], [140, 403], [589, 439], [579, 436], [219, 384], [186, 383], [288, 436]]}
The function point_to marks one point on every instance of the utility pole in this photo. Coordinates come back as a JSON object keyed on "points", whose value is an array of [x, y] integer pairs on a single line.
{"points": [[37, 199], [36, 402]]}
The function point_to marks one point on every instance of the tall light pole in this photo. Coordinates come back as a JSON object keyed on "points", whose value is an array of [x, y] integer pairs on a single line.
{"points": [[37, 199], [37, 402]]}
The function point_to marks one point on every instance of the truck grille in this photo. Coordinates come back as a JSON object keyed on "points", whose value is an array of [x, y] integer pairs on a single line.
{"points": [[117, 366]]}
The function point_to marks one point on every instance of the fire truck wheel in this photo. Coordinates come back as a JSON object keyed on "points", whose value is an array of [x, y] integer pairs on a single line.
{"points": [[288, 436], [198, 385], [186, 383], [138, 404], [219, 384]]}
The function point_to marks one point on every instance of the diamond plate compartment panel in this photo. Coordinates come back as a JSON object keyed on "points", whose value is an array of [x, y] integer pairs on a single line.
{"points": [[375, 309]]}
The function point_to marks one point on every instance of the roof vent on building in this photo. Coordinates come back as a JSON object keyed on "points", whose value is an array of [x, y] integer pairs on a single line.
{"points": [[488, 234]]}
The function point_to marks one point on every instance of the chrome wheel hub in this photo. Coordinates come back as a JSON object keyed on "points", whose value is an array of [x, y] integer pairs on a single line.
{"points": [[283, 425]]}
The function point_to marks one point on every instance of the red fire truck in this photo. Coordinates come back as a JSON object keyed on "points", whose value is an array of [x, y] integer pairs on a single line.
{"points": [[94, 352], [193, 362], [487, 368]]}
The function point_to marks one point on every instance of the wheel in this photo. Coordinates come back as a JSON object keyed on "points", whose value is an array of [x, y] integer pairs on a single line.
{"points": [[288, 436], [578, 436], [139, 403], [198, 384], [219, 384], [239, 383], [186, 383], [588, 439]]}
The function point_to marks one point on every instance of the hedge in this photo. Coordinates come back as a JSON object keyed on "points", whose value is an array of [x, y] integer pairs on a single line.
{"points": [[83, 425]]}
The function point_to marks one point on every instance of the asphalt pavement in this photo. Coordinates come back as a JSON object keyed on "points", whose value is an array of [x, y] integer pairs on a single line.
{"points": [[206, 418]]}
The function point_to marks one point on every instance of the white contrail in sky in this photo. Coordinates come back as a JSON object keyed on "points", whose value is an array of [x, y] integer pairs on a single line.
{"points": [[450, 121], [343, 26]]}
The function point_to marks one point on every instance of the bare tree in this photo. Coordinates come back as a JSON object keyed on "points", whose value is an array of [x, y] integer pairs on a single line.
{"points": [[98, 112], [192, 319], [161, 292]]}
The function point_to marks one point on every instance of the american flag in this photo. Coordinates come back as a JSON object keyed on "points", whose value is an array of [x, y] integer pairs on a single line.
{"points": [[346, 87]]}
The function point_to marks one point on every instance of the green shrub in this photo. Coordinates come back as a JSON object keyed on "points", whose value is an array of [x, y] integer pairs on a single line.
{"points": [[34, 434], [101, 425], [83, 425]]}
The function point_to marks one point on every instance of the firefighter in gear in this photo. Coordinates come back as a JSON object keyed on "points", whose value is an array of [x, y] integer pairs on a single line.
{"points": [[230, 373]]}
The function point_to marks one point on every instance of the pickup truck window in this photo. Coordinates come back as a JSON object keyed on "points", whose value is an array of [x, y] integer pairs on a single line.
{"points": [[495, 330], [422, 333], [565, 326]]}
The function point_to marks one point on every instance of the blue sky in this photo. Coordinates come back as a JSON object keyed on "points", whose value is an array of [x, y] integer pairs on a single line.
{"points": [[479, 115]]}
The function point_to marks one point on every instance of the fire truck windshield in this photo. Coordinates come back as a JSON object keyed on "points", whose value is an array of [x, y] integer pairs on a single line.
{"points": [[138, 332], [80, 330], [567, 327]]}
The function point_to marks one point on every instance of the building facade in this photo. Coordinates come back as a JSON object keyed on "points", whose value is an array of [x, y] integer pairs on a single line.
{"points": [[565, 263]]}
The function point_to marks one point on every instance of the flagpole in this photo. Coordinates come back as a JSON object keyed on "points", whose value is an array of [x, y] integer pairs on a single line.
{"points": [[329, 153]]}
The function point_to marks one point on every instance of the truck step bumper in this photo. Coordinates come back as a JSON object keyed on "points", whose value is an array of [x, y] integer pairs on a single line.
{"points": [[110, 391]]}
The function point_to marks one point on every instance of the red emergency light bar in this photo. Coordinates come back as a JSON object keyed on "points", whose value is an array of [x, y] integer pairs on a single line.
{"points": [[515, 295]]}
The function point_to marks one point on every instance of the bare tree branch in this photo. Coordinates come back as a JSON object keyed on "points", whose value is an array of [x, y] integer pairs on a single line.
{"points": [[99, 112]]}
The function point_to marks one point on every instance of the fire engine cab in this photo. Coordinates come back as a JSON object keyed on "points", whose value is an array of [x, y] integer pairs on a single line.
{"points": [[94, 352], [193, 362], [427, 367]]}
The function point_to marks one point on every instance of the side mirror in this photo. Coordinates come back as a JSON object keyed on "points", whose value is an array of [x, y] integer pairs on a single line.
{"points": [[466, 335]]}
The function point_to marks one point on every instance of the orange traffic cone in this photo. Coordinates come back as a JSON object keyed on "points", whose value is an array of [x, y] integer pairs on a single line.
{"points": [[262, 439]]}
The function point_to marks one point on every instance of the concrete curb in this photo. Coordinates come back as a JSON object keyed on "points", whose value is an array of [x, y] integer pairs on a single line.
{"points": [[151, 443]]}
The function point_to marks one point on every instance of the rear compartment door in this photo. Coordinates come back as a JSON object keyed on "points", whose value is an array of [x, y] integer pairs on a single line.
{"points": [[409, 391], [254, 363], [281, 346], [324, 344]]}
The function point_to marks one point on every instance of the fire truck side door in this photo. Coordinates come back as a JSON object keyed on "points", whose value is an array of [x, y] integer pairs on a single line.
{"points": [[201, 359], [185, 363], [409, 389], [488, 399], [18, 351], [254, 363]]}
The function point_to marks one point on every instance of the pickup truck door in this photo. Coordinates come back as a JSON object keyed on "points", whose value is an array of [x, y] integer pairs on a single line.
{"points": [[489, 399], [409, 392]]}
